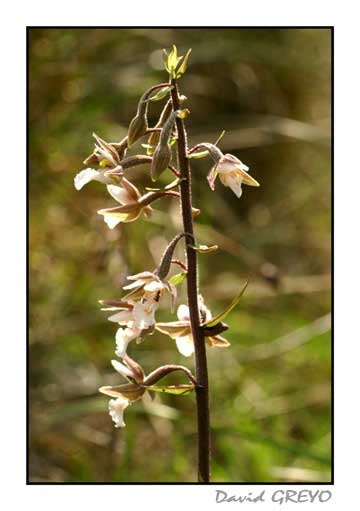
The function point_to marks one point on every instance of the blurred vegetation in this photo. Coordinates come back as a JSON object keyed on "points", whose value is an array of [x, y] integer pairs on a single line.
{"points": [[270, 391]]}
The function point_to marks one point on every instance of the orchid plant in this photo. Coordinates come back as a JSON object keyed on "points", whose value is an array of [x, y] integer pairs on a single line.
{"points": [[135, 312]]}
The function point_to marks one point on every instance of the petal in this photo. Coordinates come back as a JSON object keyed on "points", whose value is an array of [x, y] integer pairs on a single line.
{"points": [[185, 345], [123, 337], [119, 194], [141, 275], [116, 411], [211, 177], [153, 286], [112, 219], [144, 314], [87, 175], [122, 369], [122, 317], [229, 163], [183, 313], [233, 181], [133, 285], [218, 341], [174, 329]]}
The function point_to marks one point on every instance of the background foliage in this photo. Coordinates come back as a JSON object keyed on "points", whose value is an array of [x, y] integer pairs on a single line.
{"points": [[270, 391]]}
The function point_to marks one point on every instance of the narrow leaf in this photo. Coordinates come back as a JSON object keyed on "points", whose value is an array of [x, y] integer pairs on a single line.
{"points": [[220, 317], [181, 70], [179, 390]]}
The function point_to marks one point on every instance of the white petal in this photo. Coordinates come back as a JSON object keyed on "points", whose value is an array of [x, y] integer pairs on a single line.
{"points": [[116, 410], [144, 314], [133, 285], [233, 181], [119, 194], [183, 313], [112, 220], [123, 337], [122, 317], [85, 176], [153, 286], [122, 369], [185, 345]]}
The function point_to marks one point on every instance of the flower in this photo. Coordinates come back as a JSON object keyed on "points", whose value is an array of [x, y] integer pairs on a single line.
{"points": [[138, 317], [116, 411], [130, 209], [181, 330], [126, 393], [232, 173]]}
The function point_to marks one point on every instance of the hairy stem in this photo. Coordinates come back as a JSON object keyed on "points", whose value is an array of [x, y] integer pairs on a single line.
{"points": [[202, 387]]}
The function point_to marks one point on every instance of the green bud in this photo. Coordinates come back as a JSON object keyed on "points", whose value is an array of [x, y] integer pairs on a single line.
{"points": [[139, 125], [160, 161], [174, 65]]}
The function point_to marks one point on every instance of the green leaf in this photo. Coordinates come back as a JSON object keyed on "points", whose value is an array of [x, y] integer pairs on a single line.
{"points": [[179, 390], [204, 249], [178, 278], [160, 94], [220, 317], [181, 70]]}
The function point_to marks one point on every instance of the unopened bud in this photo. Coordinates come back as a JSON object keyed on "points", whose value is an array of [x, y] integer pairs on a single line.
{"points": [[160, 161], [139, 125]]}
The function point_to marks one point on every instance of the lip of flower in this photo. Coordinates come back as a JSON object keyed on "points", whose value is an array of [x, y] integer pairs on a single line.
{"points": [[181, 330]]}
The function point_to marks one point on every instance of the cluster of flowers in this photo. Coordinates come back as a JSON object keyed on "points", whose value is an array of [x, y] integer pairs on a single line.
{"points": [[135, 312]]}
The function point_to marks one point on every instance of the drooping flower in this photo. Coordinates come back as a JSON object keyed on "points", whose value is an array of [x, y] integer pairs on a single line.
{"points": [[232, 173], [127, 393], [132, 203], [181, 330], [130, 207]]}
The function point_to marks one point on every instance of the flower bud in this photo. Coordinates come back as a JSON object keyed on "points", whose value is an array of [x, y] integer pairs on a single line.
{"points": [[160, 161], [139, 125]]}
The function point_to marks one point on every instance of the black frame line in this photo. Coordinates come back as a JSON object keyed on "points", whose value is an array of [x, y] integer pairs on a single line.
{"points": [[291, 483]]}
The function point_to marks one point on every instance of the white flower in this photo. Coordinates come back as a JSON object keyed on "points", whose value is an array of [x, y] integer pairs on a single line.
{"points": [[87, 175], [181, 330], [116, 410], [232, 173]]}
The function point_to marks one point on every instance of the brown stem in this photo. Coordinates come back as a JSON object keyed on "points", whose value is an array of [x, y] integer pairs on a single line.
{"points": [[202, 388]]}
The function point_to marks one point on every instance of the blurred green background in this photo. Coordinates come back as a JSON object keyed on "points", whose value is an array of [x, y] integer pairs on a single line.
{"points": [[271, 390]]}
